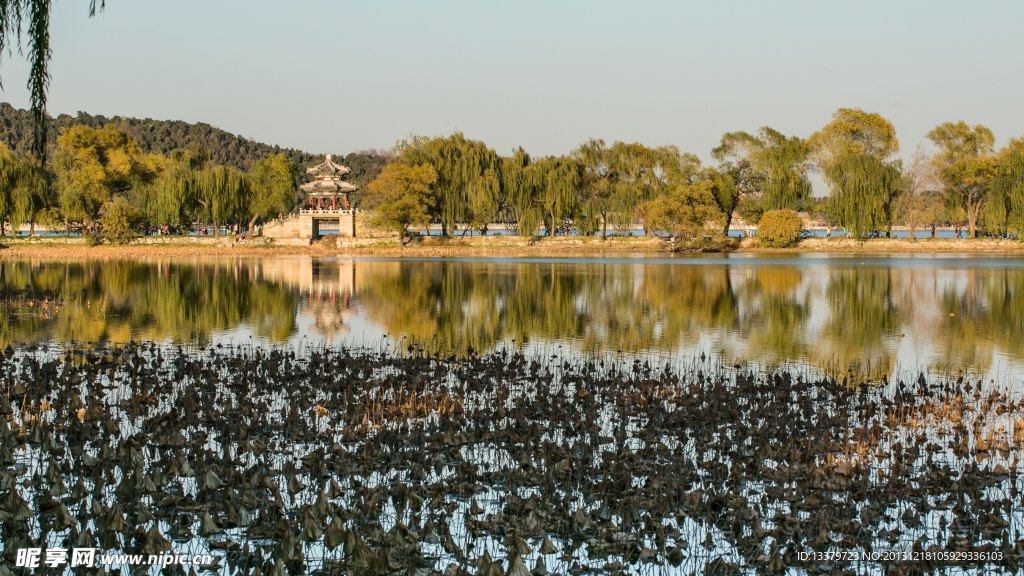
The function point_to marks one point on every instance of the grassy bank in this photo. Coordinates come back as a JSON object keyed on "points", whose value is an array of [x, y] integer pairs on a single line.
{"points": [[481, 246]]}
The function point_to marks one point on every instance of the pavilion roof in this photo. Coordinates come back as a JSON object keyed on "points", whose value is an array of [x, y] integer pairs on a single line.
{"points": [[328, 186], [328, 168]]}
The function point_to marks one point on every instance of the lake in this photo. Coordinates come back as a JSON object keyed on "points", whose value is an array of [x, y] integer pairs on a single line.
{"points": [[869, 313]]}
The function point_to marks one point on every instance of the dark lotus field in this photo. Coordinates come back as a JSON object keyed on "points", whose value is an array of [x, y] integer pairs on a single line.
{"points": [[337, 461]]}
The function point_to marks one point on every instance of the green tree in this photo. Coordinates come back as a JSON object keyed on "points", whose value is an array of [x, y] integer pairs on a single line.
{"points": [[864, 192], [856, 154], [620, 177], [222, 192], [688, 209], [460, 165], [1008, 184], [737, 154], [176, 189], [93, 165], [853, 132], [271, 187], [966, 164], [400, 197], [769, 168], [23, 189], [725, 194], [521, 184], [559, 180], [121, 221], [783, 162]]}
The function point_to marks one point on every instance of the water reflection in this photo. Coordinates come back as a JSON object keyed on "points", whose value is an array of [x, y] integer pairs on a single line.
{"points": [[957, 313]]}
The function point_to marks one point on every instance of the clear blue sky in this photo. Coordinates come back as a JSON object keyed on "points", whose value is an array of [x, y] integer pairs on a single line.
{"points": [[338, 76]]}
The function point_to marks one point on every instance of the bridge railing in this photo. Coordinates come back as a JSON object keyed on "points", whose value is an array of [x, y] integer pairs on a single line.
{"points": [[325, 212]]}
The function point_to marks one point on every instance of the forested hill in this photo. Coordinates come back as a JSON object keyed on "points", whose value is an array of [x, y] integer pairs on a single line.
{"points": [[164, 136]]}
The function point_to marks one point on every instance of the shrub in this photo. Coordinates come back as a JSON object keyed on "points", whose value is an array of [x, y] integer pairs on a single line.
{"points": [[779, 228], [93, 239], [121, 221]]}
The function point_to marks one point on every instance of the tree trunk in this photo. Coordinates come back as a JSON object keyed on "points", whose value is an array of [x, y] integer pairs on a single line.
{"points": [[913, 228], [604, 226], [933, 230], [216, 229], [252, 225], [31, 227], [972, 220], [551, 230]]}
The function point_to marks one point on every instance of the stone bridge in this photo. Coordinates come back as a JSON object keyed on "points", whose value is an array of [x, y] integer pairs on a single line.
{"points": [[311, 224]]}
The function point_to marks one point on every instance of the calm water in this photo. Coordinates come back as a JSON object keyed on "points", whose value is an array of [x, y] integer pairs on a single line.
{"points": [[939, 312]]}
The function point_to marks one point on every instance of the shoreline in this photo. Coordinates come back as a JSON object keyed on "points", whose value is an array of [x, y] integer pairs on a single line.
{"points": [[498, 246]]}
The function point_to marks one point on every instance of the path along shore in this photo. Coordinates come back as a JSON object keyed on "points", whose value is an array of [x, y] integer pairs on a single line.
{"points": [[505, 246]]}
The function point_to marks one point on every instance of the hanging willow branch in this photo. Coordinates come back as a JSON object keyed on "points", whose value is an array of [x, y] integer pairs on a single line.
{"points": [[1008, 190], [33, 16], [864, 190]]}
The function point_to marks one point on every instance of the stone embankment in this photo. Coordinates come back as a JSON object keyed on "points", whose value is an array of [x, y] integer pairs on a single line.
{"points": [[507, 246]]}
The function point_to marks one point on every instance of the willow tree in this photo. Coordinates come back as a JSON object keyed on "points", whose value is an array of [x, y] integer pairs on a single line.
{"points": [[770, 168], [863, 192], [852, 132], [272, 187], [1008, 184], [497, 190], [783, 162], [22, 189], [856, 153], [966, 163], [521, 182], [460, 164], [600, 180], [559, 180], [32, 17], [177, 187], [619, 178], [222, 192]]}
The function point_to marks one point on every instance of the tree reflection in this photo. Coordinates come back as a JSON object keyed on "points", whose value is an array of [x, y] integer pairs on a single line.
{"points": [[843, 317], [776, 310], [124, 300], [863, 321]]}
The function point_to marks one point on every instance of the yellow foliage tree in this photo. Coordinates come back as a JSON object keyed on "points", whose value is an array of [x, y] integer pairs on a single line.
{"points": [[92, 164], [400, 197], [966, 163]]}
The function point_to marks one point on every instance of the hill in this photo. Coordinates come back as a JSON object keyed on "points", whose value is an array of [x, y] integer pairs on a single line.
{"points": [[164, 136]]}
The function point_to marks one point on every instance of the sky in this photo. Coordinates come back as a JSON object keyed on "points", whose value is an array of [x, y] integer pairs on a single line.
{"points": [[337, 76]]}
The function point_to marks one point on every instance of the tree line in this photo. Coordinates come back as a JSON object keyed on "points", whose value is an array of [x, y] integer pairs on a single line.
{"points": [[123, 173], [18, 129], [100, 179], [461, 184]]}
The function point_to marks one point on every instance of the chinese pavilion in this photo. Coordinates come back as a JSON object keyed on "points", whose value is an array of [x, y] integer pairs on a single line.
{"points": [[325, 189]]}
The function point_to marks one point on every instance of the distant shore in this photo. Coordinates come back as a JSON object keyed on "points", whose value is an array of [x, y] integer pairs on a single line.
{"points": [[506, 246]]}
